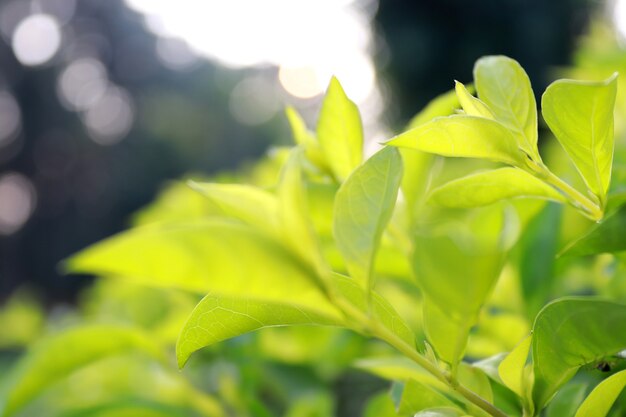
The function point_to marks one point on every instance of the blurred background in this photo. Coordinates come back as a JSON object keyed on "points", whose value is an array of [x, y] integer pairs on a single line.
{"points": [[102, 102]]}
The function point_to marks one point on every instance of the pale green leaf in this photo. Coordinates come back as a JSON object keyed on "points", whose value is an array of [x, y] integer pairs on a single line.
{"points": [[570, 333], [252, 205], [599, 402], [56, 357], [605, 237], [471, 105], [363, 207], [463, 136], [399, 368], [511, 369], [204, 256], [219, 318], [581, 116], [503, 85], [443, 105], [447, 333], [296, 224], [491, 186], [306, 139], [132, 407], [340, 132]]}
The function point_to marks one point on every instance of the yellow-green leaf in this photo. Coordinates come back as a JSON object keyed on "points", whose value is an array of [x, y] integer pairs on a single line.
{"points": [[306, 139], [340, 132], [219, 318], [491, 186], [503, 85], [599, 402], [471, 105], [463, 136], [581, 116], [363, 207], [205, 256], [511, 369], [252, 205], [54, 358]]}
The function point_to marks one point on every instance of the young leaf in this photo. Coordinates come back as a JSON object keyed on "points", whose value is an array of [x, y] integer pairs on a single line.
{"points": [[463, 136], [581, 116], [448, 333], [219, 318], [605, 237], [491, 186], [599, 402], [252, 205], [205, 256], [306, 139], [296, 226], [569, 333], [511, 369], [471, 105], [58, 356], [340, 132], [363, 207], [504, 86]]}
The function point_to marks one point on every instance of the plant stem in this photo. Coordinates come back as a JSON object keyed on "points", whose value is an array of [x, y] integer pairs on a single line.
{"points": [[575, 197], [380, 331]]}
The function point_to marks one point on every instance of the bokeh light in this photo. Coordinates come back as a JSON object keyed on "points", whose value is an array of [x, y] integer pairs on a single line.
{"points": [[111, 117], [17, 202], [36, 39]]}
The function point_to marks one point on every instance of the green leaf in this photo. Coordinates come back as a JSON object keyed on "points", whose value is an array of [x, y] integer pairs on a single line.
{"points": [[471, 105], [569, 333], [340, 132], [381, 405], [363, 207], [581, 116], [491, 186], [296, 225], [56, 357], [306, 139], [252, 205], [417, 397], [503, 85], [204, 256], [567, 400], [216, 318], [511, 369], [399, 368], [599, 402], [443, 105], [463, 136], [457, 265], [605, 237], [133, 407]]}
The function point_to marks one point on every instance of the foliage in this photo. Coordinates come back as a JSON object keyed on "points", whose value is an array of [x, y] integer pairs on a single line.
{"points": [[454, 269]]}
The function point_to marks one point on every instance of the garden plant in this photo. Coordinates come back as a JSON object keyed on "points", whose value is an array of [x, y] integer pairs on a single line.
{"points": [[478, 274]]}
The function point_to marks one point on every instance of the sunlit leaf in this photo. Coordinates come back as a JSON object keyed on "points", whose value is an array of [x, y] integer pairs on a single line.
{"points": [[440, 412], [54, 358], [129, 408], [471, 105], [463, 136], [581, 116], [363, 207], [504, 86], [511, 369], [599, 402], [205, 256], [380, 405], [572, 332], [340, 132], [295, 222], [490, 186], [252, 205], [607, 236], [218, 318], [306, 139]]}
